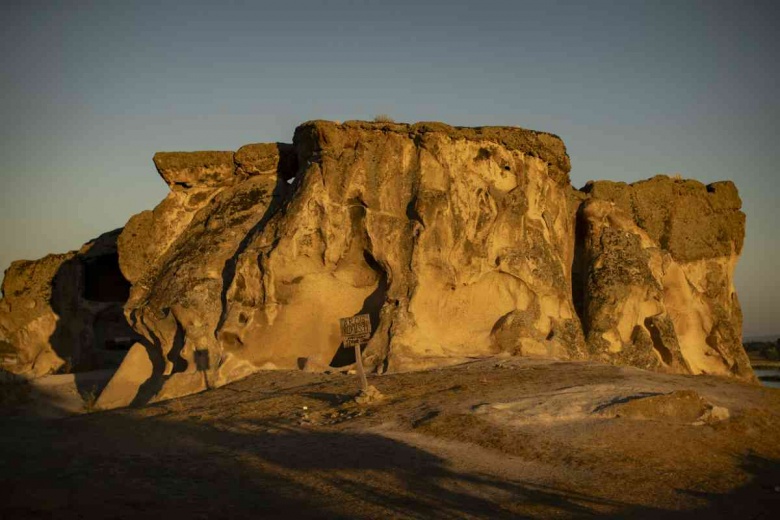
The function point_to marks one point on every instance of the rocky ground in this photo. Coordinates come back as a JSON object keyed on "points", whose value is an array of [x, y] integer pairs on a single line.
{"points": [[496, 438]]}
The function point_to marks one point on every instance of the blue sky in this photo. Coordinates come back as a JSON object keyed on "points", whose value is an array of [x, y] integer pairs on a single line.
{"points": [[90, 90]]}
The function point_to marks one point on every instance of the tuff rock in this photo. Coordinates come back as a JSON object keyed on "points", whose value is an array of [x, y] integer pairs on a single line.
{"points": [[655, 275], [458, 243], [65, 312]]}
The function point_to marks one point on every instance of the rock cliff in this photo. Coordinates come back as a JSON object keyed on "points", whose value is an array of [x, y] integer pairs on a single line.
{"points": [[458, 243]]}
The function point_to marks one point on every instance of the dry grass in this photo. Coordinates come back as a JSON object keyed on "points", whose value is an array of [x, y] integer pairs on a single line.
{"points": [[383, 118]]}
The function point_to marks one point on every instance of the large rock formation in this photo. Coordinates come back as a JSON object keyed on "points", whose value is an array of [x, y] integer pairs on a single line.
{"points": [[655, 275], [458, 242]]}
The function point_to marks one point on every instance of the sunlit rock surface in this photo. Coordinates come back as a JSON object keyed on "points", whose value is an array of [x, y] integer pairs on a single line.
{"points": [[656, 275], [178, 294], [458, 242]]}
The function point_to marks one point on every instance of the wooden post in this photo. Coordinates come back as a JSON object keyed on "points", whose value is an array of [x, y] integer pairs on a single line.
{"points": [[360, 370]]}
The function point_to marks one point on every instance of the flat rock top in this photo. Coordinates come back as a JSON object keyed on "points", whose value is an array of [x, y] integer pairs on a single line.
{"points": [[187, 169], [689, 219], [267, 158], [546, 146], [185, 160]]}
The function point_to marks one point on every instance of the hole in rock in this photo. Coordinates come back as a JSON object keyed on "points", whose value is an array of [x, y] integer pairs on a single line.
{"points": [[111, 330], [483, 154], [231, 340], [103, 281], [411, 211], [92, 335]]}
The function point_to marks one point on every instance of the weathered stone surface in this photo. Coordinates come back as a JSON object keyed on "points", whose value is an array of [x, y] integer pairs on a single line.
{"points": [[178, 292], [681, 406], [26, 318], [194, 178], [184, 170], [655, 275], [689, 220], [458, 242], [266, 159], [61, 312]]}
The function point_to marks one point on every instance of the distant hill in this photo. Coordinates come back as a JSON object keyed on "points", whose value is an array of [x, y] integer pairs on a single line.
{"points": [[751, 339]]}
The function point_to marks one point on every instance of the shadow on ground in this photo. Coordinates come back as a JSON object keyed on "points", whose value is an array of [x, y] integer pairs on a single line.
{"points": [[114, 465]]}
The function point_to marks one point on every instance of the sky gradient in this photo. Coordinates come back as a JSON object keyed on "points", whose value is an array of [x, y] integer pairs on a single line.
{"points": [[90, 90]]}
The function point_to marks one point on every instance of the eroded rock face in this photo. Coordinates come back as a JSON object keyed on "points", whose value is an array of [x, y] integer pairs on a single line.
{"points": [[655, 275], [184, 170], [178, 293], [64, 312], [458, 242]]}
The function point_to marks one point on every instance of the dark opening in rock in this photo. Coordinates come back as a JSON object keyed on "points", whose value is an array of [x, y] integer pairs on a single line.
{"points": [[658, 342], [103, 281]]}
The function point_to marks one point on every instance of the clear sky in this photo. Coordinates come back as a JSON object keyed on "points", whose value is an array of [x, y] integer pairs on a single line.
{"points": [[90, 90]]}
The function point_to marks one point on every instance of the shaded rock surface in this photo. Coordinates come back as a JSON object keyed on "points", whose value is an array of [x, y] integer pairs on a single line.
{"points": [[458, 242], [64, 312]]}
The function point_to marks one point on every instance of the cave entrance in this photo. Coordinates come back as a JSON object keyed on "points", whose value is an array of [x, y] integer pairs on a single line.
{"points": [[105, 290], [103, 280]]}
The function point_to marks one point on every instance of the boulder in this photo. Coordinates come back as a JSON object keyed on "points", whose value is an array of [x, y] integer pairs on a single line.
{"points": [[655, 275], [185, 170]]}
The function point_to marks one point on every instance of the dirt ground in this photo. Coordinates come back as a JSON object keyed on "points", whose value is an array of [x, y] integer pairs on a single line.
{"points": [[496, 438]]}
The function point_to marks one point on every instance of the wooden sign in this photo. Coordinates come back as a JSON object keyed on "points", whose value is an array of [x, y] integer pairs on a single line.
{"points": [[355, 330]]}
